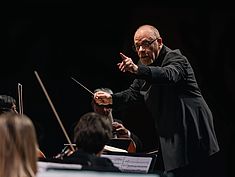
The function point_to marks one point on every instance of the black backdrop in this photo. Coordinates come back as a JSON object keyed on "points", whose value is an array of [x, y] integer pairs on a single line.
{"points": [[65, 39]]}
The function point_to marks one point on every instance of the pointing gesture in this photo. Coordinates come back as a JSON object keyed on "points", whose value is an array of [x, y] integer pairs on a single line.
{"points": [[127, 64]]}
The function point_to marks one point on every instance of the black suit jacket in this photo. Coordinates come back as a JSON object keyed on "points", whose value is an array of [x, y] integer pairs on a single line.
{"points": [[182, 117]]}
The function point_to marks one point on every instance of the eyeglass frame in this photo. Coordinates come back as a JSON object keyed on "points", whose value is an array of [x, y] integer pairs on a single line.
{"points": [[145, 44]]}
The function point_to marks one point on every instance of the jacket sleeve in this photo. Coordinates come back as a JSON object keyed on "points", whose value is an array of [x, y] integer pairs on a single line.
{"points": [[172, 70]]}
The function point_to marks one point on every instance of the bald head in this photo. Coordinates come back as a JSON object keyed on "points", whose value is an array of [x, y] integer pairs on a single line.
{"points": [[147, 30]]}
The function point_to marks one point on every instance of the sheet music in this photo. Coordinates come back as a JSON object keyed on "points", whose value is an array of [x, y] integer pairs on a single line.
{"points": [[130, 163]]}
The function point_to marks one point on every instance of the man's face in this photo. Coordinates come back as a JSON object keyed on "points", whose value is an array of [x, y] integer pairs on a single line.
{"points": [[103, 110], [147, 46]]}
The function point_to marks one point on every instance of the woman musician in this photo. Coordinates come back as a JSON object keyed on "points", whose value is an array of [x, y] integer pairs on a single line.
{"points": [[8, 104]]}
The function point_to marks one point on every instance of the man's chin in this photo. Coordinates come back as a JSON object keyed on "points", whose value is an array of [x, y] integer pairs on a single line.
{"points": [[146, 61]]}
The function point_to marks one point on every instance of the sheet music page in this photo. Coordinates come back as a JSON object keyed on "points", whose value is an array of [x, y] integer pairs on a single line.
{"points": [[130, 163]]}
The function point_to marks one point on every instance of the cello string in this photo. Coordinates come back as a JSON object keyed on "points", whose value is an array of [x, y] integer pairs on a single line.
{"points": [[54, 110]]}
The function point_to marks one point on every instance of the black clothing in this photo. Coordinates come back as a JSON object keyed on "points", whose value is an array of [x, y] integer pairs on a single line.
{"points": [[91, 161], [135, 138], [182, 118]]}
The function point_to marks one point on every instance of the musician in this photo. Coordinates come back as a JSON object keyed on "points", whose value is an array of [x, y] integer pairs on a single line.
{"points": [[120, 131], [18, 146], [7, 104], [166, 84], [91, 133]]}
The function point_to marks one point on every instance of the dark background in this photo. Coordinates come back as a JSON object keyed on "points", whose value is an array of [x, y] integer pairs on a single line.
{"points": [[61, 40]]}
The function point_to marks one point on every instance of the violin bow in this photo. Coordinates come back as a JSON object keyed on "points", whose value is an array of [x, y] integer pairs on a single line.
{"points": [[54, 110], [20, 98]]}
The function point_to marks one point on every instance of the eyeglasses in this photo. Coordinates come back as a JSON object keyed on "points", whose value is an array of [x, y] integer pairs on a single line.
{"points": [[145, 45]]}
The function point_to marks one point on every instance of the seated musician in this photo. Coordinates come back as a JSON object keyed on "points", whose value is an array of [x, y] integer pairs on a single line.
{"points": [[118, 128], [18, 146], [91, 133], [8, 104]]}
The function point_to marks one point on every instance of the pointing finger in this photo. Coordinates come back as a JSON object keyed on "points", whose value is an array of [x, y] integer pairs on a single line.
{"points": [[123, 56]]}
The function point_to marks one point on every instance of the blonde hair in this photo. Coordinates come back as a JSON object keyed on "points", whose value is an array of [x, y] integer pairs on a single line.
{"points": [[18, 146]]}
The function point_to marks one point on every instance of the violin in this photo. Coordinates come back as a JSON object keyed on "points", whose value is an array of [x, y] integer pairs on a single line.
{"points": [[66, 152], [132, 147], [40, 154], [69, 148]]}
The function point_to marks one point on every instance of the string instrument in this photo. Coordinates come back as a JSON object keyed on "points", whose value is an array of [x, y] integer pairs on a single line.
{"points": [[131, 146], [66, 152], [40, 154], [70, 148]]}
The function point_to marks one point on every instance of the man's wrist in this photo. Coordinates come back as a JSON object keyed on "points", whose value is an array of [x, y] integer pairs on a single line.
{"points": [[136, 69]]}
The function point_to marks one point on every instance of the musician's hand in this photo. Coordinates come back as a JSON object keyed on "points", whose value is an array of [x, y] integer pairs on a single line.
{"points": [[127, 64], [103, 98], [120, 130]]}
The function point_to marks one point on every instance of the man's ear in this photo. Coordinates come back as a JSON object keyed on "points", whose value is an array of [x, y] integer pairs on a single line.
{"points": [[159, 40]]}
